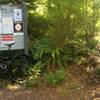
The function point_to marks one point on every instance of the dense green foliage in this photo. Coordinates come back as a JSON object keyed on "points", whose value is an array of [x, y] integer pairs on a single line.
{"points": [[46, 51], [60, 31], [55, 78]]}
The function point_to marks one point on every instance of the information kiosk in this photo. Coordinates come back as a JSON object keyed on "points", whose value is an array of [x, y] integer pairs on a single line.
{"points": [[13, 27]]}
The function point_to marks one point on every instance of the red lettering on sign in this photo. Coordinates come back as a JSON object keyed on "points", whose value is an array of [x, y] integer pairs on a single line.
{"points": [[7, 38]]}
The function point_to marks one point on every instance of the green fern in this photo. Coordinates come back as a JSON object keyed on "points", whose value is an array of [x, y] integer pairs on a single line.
{"points": [[46, 50]]}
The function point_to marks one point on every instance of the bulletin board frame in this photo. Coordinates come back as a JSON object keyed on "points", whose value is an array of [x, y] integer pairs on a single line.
{"points": [[19, 28]]}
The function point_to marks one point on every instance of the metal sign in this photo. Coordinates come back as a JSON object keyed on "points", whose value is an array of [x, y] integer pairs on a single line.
{"points": [[18, 27], [11, 27], [17, 15]]}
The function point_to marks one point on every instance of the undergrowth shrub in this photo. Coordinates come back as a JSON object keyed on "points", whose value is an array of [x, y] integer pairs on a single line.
{"points": [[55, 78], [46, 51], [34, 74], [72, 52], [36, 77]]}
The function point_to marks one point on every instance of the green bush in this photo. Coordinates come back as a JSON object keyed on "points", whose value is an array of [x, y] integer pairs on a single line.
{"points": [[54, 78], [33, 75], [46, 51], [32, 81], [36, 78], [75, 50], [72, 52], [35, 69], [92, 44]]}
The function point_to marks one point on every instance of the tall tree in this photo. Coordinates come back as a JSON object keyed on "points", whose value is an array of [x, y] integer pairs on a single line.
{"points": [[72, 20]]}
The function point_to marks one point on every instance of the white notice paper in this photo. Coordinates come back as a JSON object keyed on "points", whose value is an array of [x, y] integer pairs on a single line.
{"points": [[17, 15], [0, 14], [0, 28], [0, 23], [7, 25]]}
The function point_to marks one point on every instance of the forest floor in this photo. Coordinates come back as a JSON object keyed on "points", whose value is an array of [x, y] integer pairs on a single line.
{"points": [[46, 93], [74, 88]]}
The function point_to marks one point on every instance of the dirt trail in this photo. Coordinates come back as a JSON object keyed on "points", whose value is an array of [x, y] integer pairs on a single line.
{"points": [[34, 94], [46, 93]]}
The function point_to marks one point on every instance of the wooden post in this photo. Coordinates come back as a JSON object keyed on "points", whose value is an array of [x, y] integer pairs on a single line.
{"points": [[26, 39]]}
